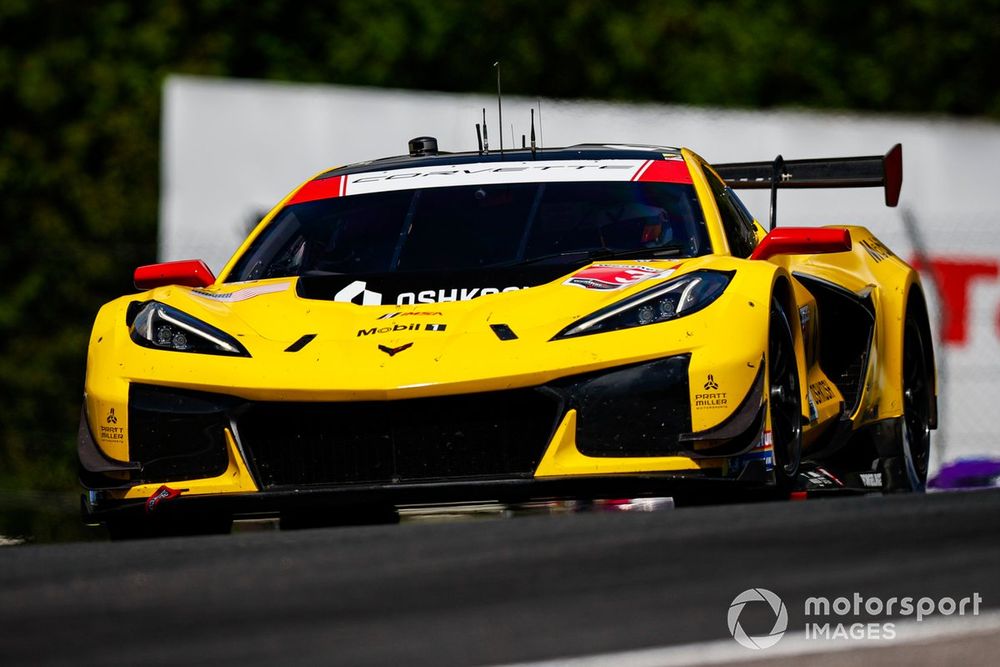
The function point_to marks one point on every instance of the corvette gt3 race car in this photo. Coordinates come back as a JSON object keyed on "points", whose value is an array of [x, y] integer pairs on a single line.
{"points": [[590, 322]]}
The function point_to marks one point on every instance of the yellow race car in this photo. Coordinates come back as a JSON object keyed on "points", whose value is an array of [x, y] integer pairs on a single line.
{"points": [[589, 322]]}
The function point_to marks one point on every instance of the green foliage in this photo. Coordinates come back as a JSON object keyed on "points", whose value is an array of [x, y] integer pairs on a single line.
{"points": [[80, 102]]}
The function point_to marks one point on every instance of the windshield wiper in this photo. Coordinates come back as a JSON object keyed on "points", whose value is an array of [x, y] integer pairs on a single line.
{"points": [[312, 273], [593, 254]]}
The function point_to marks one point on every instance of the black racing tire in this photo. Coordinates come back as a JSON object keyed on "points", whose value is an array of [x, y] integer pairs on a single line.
{"points": [[918, 398], [784, 399], [366, 515], [143, 527]]}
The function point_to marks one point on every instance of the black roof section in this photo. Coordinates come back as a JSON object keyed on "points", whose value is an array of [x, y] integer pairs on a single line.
{"points": [[578, 152]]}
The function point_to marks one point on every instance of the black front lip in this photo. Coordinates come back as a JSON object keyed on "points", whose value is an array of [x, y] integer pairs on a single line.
{"points": [[508, 491]]}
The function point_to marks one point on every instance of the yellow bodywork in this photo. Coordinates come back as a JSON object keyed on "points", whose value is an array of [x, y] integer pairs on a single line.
{"points": [[727, 342]]}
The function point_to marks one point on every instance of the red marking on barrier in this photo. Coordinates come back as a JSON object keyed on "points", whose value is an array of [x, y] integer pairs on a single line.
{"points": [[954, 278]]}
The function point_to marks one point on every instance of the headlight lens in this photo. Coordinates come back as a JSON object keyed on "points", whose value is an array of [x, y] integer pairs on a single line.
{"points": [[668, 301], [161, 327]]}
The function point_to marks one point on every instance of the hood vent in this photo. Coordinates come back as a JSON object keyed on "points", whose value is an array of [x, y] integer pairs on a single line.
{"points": [[300, 343]]}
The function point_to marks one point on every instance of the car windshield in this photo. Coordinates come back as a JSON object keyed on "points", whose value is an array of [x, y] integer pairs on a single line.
{"points": [[477, 226]]}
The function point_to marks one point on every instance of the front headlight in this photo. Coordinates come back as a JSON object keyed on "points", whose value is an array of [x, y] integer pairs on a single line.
{"points": [[158, 326], [667, 301]]}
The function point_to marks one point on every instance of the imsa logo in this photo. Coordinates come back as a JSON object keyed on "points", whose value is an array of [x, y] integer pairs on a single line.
{"points": [[389, 316]]}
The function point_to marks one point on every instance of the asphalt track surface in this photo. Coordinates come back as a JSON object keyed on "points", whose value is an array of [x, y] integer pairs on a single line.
{"points": [[489, 591]]}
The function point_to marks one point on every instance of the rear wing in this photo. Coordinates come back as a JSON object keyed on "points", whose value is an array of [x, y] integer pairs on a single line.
{"points": [[874, 171]]}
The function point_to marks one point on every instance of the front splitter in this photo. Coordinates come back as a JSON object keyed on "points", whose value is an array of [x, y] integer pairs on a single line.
{"points": [[274, 502]]}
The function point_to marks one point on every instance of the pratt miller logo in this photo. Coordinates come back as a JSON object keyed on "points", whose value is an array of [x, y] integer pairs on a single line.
{"points": [[712, 398], [780, 618]]}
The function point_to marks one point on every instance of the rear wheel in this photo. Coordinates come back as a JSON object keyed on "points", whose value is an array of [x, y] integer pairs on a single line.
{"points": [[918, 392], [784, 399], [907, 455]]}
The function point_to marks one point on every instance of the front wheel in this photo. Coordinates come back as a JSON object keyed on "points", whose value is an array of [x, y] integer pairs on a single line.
{"points": [[319, 517], [784, 399], [144, 527]]}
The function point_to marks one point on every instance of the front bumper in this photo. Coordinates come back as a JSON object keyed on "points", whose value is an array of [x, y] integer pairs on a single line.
{"points": [[624, 430]]}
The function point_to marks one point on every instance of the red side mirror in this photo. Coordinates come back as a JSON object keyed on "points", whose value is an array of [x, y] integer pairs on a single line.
{"points": [[188, 272], [802, 241]]}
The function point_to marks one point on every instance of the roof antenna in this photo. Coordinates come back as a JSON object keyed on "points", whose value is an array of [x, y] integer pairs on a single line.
{"points": [[777, 175], [486, 136], [499, 105], [533, 131], [479, 137], [541, 140]]}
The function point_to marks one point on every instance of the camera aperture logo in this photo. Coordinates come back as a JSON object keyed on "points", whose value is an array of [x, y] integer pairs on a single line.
{"points": [[780, 618]]}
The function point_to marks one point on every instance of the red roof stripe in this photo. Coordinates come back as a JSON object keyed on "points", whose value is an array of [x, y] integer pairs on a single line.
{"points": [[638, 173], [321, 189], [666, 171]]}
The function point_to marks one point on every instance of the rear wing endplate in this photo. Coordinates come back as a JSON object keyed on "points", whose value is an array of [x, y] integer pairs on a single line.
{"points": [[874, 171]]}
